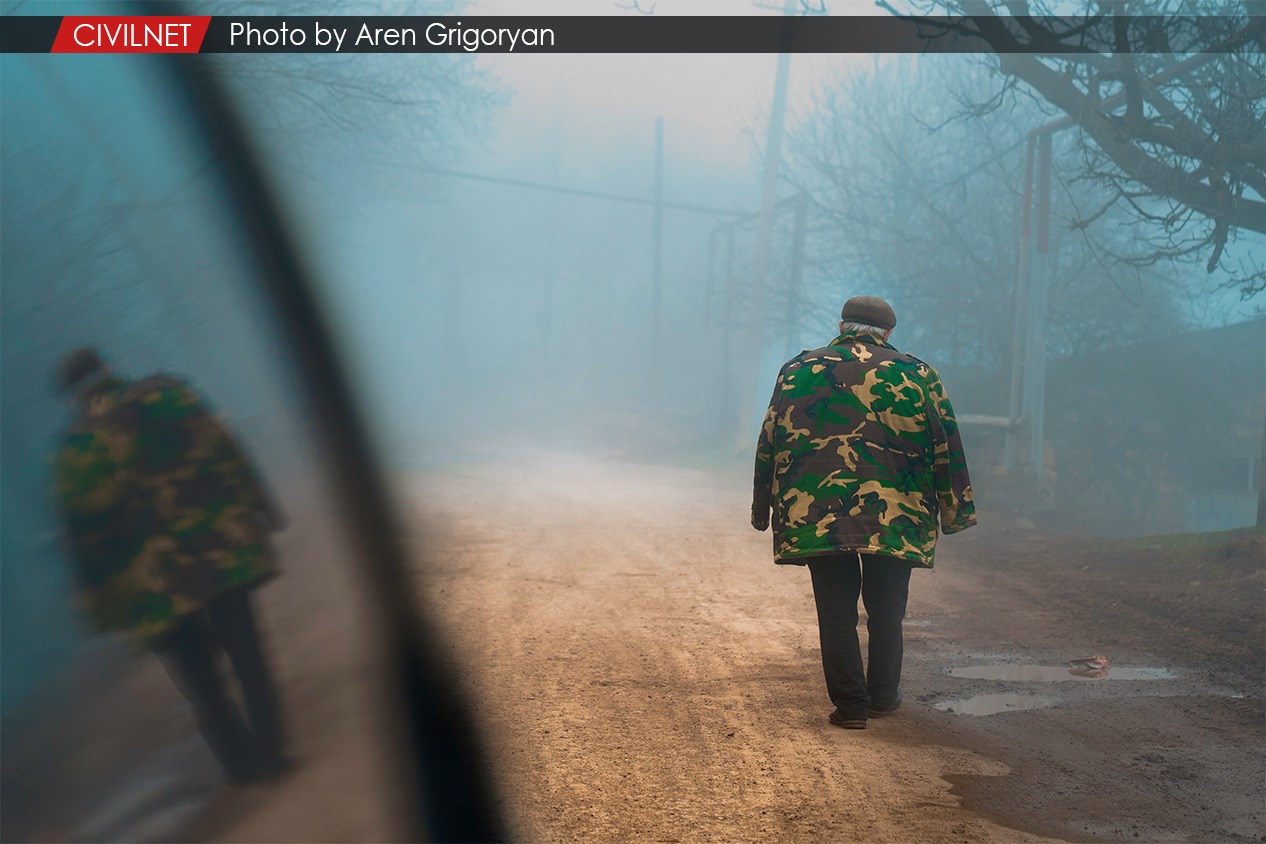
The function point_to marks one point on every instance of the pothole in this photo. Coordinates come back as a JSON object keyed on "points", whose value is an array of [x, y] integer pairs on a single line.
{"points": [[993, 704], [1051, 673]]}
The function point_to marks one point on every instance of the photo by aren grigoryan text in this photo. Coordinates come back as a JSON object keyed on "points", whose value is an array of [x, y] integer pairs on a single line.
{"points": [[435, 34]]}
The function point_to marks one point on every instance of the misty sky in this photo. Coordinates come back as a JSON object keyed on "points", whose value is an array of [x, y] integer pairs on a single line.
{"points": [[708, 102], [588, 110]]}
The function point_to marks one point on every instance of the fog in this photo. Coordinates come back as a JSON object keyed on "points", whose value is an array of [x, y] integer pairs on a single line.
{"points": [[501, 293], [527, 255]]}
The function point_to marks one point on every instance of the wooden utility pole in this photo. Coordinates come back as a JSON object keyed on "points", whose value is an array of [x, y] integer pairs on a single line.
{"points": [[764, 236], [1032, 282], [1020, 314], [1035, 353], [709, 278], [726, 401], [548, 317], [769, 193], [657, 260], [800, 207]]}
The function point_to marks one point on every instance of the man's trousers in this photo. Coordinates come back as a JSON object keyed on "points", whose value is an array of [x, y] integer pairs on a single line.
{"points": [[247, 748], [883, 584]]}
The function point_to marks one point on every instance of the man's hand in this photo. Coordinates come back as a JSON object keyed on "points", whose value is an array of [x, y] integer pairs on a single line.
{"points": [[760, 520]]}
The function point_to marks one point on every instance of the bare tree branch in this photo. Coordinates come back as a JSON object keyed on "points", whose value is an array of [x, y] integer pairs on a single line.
{"points": [[1159, 127], [636, 6]]}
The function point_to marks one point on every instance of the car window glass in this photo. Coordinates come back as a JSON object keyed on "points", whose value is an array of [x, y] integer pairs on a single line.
{"points": [[117, 236]]}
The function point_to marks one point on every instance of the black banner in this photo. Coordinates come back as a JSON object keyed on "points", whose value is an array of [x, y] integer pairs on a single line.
{"points": [[649, 34]]}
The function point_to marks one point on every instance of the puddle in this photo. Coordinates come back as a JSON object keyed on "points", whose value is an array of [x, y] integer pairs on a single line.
{"points": [[1048, 673], [993, 704]]}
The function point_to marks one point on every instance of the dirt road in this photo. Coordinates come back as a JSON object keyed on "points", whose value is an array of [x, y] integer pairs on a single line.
{"points": [[644, 672]]}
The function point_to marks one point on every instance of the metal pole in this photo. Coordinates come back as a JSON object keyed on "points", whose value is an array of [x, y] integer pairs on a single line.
{"points": [[657, 228], [797, 270], [1021, 310], [764, 232], [726, 400], [709, 279], [1035, 358]]}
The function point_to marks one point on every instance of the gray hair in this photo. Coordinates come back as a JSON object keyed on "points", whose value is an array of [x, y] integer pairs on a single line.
{"points": [[862, 328]]}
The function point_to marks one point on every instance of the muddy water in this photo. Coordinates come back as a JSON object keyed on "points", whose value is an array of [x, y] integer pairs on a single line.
{"points": [[1049, 673], [993, 704]]}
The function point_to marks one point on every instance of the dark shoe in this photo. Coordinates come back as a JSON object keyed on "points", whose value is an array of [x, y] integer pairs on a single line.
{"points": [[885, 711], [839, 719]]}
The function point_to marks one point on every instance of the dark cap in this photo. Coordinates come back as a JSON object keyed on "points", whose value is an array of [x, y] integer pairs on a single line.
{"points": [[75, 367], [869, 310]]}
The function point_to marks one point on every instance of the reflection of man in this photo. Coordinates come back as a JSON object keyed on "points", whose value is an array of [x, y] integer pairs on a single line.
{"points": [[858, 454], [167, 527]]}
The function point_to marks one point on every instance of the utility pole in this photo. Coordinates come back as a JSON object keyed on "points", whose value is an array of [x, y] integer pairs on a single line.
{"points": [[1035, 354], [1020, 314], [657, 260], [727, 314], [1028, 339], [764, 231], [548, 317], [709, 278], [800, 208]]}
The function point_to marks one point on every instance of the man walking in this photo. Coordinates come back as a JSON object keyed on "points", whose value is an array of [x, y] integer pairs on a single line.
{"points": [[858, 455], [167, 528]]}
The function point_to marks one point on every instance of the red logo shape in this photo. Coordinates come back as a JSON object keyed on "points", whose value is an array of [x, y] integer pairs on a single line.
{"points": [[131, 34]]}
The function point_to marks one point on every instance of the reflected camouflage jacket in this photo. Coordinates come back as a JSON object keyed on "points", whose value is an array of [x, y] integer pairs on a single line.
{"points": [[162, 509], [859, 451]]}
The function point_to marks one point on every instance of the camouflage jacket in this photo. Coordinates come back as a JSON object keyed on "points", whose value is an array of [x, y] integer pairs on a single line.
{"points": [[859, 451], [162, 509]]}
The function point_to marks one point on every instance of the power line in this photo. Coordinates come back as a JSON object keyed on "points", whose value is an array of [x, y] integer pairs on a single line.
{"points": [[592, 194]]}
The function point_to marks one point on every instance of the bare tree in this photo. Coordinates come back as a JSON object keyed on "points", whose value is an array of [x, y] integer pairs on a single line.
{"points": [[1171, 112], [313, 110], [910, 198]]}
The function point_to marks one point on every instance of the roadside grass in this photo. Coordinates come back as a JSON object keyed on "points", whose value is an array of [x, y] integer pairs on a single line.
{"points": [[1218, 552]]}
